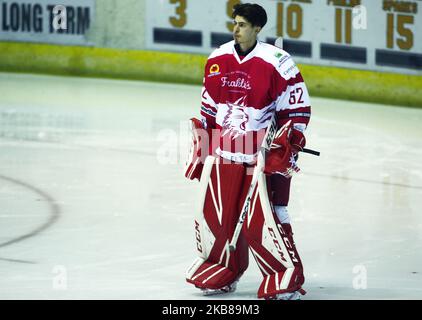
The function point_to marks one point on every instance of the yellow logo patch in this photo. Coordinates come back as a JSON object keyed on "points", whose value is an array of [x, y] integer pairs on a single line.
{"points": [[215, 68]]}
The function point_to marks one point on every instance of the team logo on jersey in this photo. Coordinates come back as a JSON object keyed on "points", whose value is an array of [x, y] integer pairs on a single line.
{"points": [[214, 70], [234, 123]]}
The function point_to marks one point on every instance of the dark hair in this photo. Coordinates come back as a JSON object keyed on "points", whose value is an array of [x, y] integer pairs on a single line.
{"points": [[253, 13]]}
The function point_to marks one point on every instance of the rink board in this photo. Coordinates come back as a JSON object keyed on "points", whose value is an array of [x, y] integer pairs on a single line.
{"points": [[357, 85]]}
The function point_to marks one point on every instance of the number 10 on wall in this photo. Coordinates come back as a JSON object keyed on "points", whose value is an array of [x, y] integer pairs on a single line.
{"points": [[289, 20]]}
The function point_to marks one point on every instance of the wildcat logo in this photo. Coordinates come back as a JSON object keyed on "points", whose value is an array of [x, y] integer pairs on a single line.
{"points": [[234, 123]]}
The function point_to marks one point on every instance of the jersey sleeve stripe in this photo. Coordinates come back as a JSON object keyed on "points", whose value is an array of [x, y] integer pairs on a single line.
{"points": [[208, 111]]}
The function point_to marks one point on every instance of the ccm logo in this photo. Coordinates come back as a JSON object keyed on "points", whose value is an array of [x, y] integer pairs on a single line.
{"points": [[198, 236], [277, 244], [288, 244]]}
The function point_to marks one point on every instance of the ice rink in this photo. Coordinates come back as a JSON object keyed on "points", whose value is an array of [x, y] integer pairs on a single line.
{"points": [[94, 205]]}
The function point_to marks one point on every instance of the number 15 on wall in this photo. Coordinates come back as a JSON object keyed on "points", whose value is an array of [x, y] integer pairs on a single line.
{"points": [[397, 31]]}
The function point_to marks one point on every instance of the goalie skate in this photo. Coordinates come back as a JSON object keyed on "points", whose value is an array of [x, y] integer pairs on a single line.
{"points": [[226, 289], [289, 295]]}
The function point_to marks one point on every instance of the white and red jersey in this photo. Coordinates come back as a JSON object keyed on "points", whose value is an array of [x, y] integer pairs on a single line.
{"points": [[239, 96]]}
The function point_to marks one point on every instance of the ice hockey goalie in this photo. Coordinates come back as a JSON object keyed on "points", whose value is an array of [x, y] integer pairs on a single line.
{"points": [[241, 94]]}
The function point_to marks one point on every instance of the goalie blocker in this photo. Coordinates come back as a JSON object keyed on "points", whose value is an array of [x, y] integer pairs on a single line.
{"points": [[224, 186]]}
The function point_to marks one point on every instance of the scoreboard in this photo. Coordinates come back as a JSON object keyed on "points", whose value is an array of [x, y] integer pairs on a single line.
{"points": [[379, 35]]}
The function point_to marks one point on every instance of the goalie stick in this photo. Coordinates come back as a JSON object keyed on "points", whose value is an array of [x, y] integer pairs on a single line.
{"points": [[266, 145], [310, 151], [258, 170]]}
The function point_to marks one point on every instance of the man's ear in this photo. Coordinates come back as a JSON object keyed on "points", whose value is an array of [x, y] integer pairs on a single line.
{"points": [[258, 30]]}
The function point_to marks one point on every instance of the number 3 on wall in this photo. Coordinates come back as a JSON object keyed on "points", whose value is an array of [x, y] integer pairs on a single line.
{"points": [[229, 10], [180, 20]]}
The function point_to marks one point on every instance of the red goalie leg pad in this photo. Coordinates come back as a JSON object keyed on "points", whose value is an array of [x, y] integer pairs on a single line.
{"points": [[218, 266], [213, 276], [272, 246], [289, 280]]}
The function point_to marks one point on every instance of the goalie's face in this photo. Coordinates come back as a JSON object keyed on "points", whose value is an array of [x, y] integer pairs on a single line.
{"points": [[244, 33]]}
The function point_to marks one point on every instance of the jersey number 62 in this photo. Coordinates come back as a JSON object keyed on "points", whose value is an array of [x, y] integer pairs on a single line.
{"points": [[293, 95]]}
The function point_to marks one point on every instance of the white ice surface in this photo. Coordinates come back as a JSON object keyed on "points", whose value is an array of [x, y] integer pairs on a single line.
{"points": [[94, 205]]}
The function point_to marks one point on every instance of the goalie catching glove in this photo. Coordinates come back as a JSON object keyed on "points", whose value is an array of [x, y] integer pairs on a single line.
{"points": [[281, 159]]}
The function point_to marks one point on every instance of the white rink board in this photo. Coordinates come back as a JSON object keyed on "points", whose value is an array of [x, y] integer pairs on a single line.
{"points": [[375, 36]]}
